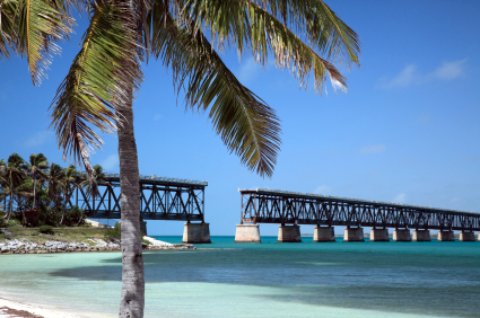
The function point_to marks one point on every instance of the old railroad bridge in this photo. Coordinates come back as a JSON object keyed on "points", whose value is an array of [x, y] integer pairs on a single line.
{"points": [[160, 199], [184, 200], [291, 209]]}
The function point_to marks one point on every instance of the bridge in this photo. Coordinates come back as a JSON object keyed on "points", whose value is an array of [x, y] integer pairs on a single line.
{"points": [[290, 209], [160, 199]]}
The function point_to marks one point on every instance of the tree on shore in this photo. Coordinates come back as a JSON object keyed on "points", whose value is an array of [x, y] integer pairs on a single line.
{"points": [[37, 165], [302, 36]]}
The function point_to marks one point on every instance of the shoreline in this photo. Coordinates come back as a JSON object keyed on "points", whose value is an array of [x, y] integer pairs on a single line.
{"points": [[23, 246]]}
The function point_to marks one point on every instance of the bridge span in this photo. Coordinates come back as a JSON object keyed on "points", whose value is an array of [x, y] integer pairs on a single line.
{"points": [[290, 209], [161, 199]]}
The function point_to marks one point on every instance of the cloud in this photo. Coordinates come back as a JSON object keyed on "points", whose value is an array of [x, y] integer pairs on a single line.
{"points": [[373, 149], [39, 139], [400, 198], [407, 76], [410, 75], [110, 163], [450, 70], [323, 189], [248, 70]]}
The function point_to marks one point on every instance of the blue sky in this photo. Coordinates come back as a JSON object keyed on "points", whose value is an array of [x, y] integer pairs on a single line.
{"points": [[406, 131]]}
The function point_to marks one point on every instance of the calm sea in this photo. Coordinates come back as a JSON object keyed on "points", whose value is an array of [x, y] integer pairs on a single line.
{"points": [[224, 279]]}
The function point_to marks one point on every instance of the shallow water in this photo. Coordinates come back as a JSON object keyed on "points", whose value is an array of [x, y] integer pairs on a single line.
{"points": [[224, 279]]}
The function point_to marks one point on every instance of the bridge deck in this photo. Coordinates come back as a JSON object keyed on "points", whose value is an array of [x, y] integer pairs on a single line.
{"points": [[270, 206]]}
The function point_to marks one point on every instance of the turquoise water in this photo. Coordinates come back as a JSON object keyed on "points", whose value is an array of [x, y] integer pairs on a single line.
{"points": [[224, 279]]}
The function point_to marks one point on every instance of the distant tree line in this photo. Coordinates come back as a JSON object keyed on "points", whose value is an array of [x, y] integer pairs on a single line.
{"points": [[37, 192]]}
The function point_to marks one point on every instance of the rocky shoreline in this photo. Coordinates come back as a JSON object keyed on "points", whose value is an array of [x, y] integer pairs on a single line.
{"points": [[20, 246]]}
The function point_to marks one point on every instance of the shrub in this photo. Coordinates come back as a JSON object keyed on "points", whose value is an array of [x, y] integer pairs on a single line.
{"points": [[46, 229], [74, 217]]}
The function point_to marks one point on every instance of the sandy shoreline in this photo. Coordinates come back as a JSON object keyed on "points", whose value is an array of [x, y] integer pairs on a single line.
{"points": [[10, 308]]}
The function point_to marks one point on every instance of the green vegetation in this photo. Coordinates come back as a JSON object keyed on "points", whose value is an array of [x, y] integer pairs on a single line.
{"points": [[46, 229], [37, 193], [114, 233], [65, 234]]}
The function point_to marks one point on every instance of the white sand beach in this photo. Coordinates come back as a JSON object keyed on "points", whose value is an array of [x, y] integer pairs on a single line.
{"points": [[15, 309]]}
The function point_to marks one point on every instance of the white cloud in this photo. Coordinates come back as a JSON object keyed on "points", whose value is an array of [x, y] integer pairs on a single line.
{"points": [[410, 75], [248, 70], [338, 85], [373, 149], [110, 163], [39, 139], [323, 189], [400, 198], [450, 70], [407, 76]]}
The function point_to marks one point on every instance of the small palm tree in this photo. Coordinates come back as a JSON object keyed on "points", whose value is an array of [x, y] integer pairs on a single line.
{"points": [[55, 185], [71, 177], [303, 36], [37, 167]]}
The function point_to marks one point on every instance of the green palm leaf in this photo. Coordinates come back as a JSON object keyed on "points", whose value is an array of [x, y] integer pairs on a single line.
{"points": [[40, 24], [296, 33], [100, 80], [245, 123]]}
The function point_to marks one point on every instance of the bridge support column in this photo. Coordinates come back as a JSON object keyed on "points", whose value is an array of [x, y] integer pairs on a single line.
{"points": [[467, 236], [353, 234], [196, 233], [247, 233], [445, 236], [379, 235], [402, 235], [143, 225], [289, 233], [324, 234], [421, 235]]}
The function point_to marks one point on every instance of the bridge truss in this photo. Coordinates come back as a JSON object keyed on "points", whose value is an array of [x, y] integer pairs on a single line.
{"points": [[268, 206], [161, 199]]}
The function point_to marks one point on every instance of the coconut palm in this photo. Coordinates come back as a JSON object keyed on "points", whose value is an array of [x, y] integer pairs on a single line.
{"points": [[303, 36], [71, 178], [12, 178], [37, 167]]}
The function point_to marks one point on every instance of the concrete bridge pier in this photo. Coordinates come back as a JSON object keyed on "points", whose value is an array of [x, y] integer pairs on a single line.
{"points": [[323, 234], [196, 233], [289, 233], [402, 235], [379, 235], [445, 236], [353, 234], [467, 236], [247, 233], [420, 235]]}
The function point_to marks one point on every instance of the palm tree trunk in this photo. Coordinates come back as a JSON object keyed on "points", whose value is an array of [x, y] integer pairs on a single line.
{"points": [[133, 283]]}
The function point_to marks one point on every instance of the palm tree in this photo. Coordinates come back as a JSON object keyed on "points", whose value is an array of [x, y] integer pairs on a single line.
{"points": [[71, 177], [37, 166], [301, 35], [55, 185], [12, 178]]}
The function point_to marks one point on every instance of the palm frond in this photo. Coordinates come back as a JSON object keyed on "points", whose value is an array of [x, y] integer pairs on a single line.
{"points": [[99, 81], [8, 12], [317, 25], [41, 23], [301, 35], [245, 123]]}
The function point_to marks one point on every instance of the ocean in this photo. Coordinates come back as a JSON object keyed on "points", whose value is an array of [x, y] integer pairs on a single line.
{"points": [[224, 279]]}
